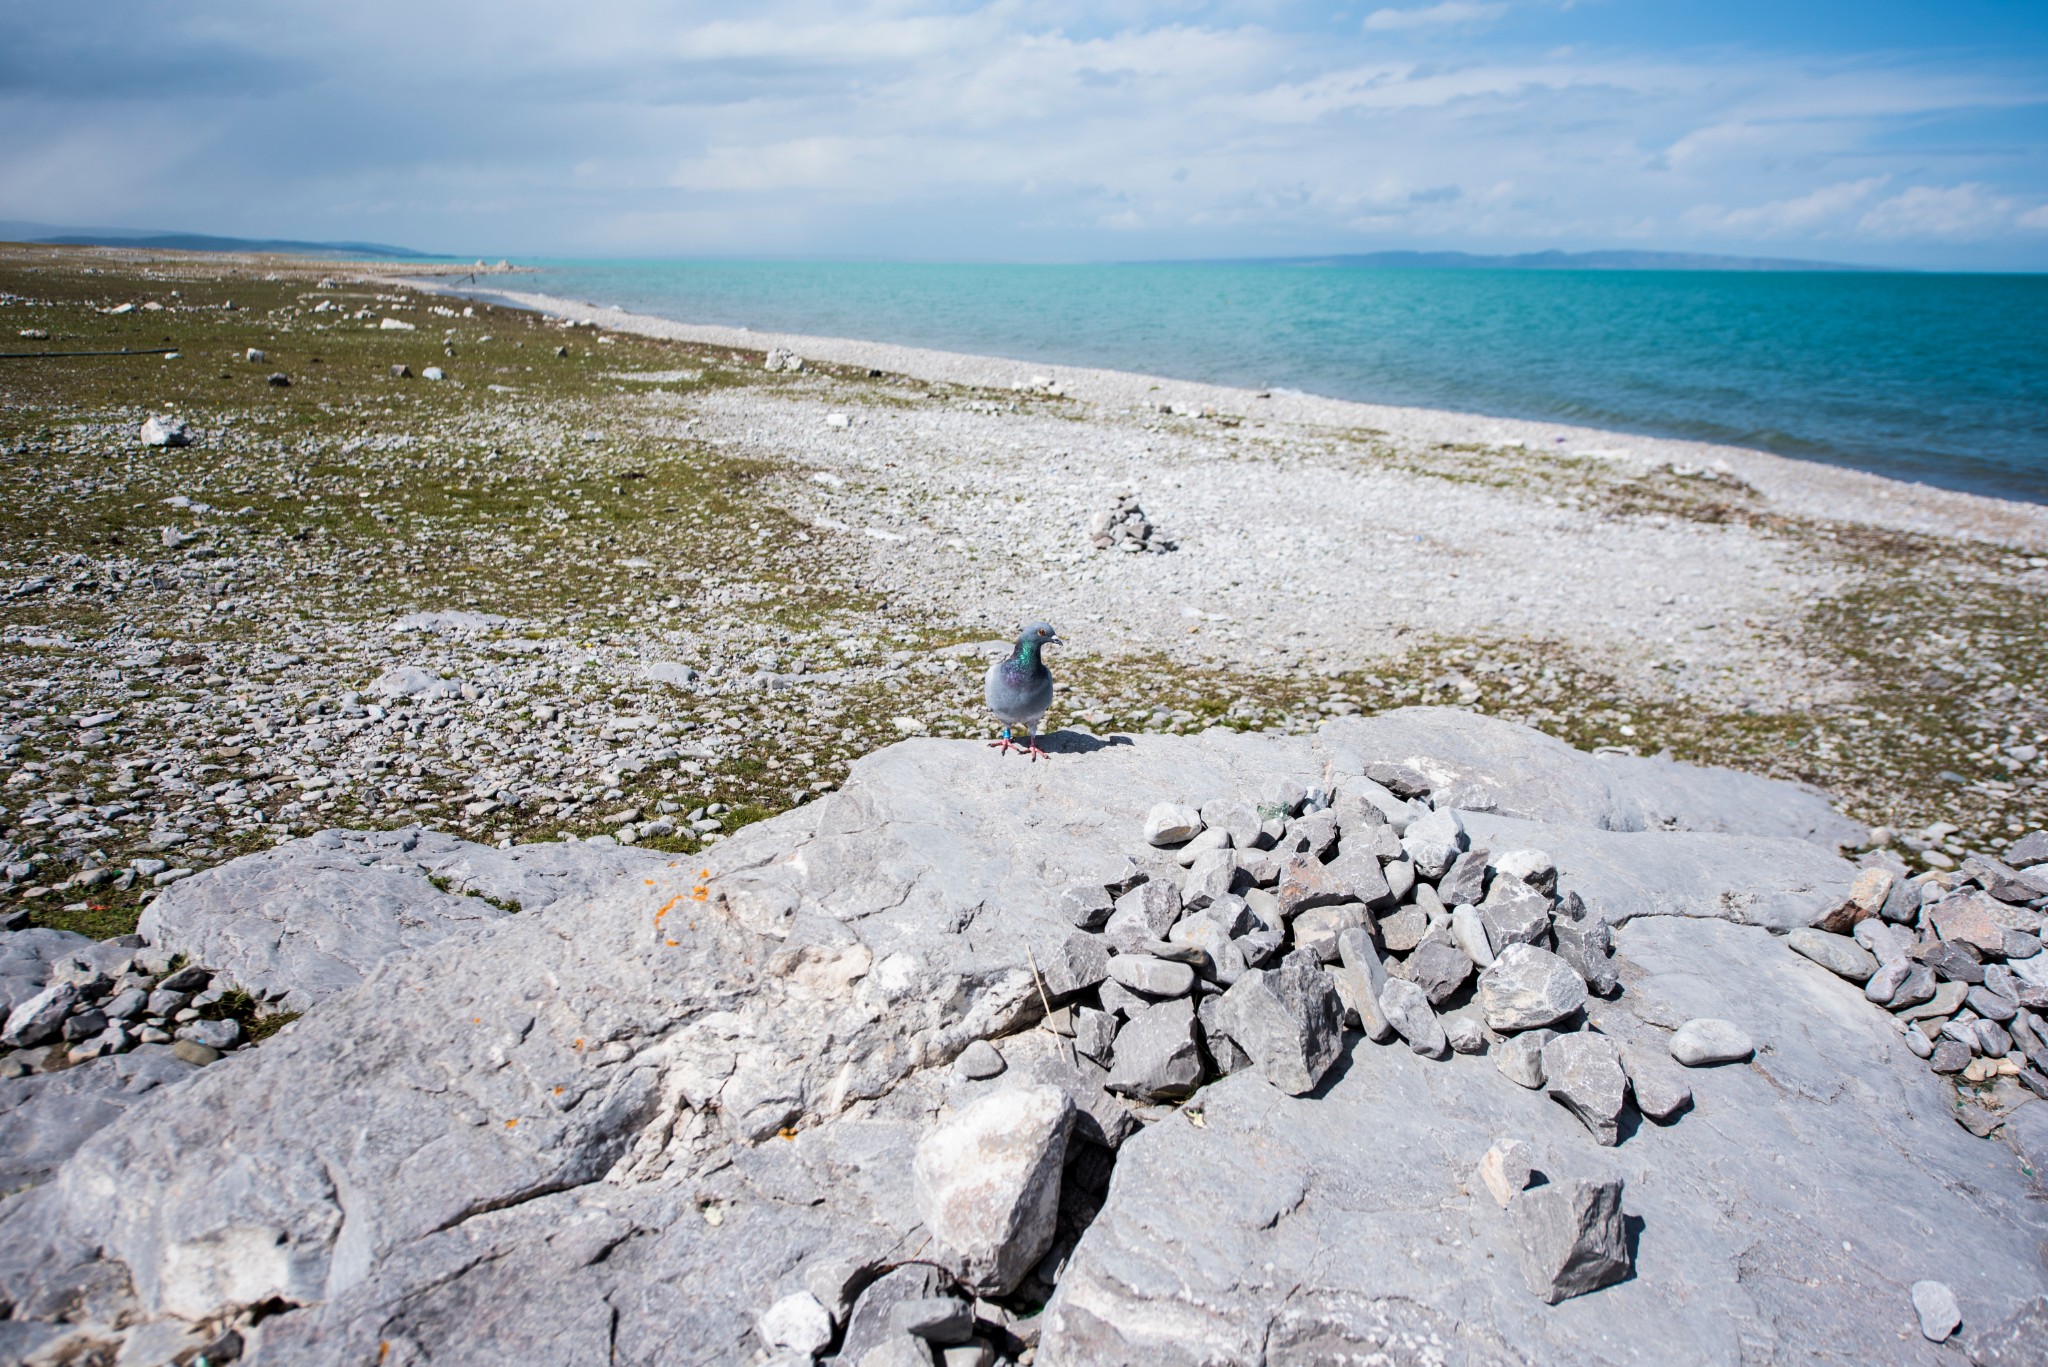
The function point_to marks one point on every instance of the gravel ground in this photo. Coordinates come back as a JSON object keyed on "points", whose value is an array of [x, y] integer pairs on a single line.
{"points": [[654, 590]]}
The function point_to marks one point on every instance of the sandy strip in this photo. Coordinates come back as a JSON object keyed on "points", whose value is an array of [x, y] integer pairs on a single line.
{"points": [[1798, 487]]}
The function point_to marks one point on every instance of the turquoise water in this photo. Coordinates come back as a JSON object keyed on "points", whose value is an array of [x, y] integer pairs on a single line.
{"points": [[1937, 378]]}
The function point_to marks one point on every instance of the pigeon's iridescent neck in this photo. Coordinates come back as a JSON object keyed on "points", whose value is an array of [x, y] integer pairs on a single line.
{"points": [[1026, 653]]}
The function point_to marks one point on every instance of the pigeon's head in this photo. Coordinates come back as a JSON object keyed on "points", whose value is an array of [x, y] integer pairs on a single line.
{"points": [[1039, 634]]}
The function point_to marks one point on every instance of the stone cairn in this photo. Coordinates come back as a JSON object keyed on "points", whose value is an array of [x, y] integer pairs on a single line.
{"points": [[1955, 957], [110, 997], [1123, 526], [780, 358]]}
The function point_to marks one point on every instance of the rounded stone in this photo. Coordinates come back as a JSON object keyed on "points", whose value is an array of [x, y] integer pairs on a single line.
{"points": [[979, 1060], [1936, 1306], [797, 1322], [1705, 1042]]}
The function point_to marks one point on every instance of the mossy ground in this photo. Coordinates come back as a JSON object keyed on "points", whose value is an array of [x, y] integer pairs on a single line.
{"points": [[555, 491]]}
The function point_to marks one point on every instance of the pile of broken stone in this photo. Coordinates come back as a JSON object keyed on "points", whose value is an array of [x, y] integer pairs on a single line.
{"points": [[1956, 958], [1290, 920], [1123, 526], [71, 999]]}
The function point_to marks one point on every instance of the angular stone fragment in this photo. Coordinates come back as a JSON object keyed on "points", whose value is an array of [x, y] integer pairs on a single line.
{"points": [[1086, 905], [1433, 842], [1952, 961], [1316, 931], [1406, 1008], [1836, 953], [1583, 1072], [1573, 1237], [1224, 1052], [1464, 883], [1438, 967], [2031, 848], [1950, 1056], [1533, 867], [1515, 913], [1866, 899], [987, 1184], [1707, 1041], [1936, 1307], [1400, 878], [1287, 1020], [1156, 1057], [1902, 905], [1520, 1058], [1170, 823], [1148, 911], [1586, 943], [1529, 987], [1212, 877], [1094, 1034], [1468, 932], [1403, 930], [1359, 978], [1464, 1031], [40, 1019], [868, 1327], [1359, 873], [1505, 1169], [935, 1319], [1306, 883], [1980, 920], [1660, 1090], [1150, 977], [1234, 818], [1312, 836], [1399, 779], [1076, 964], [2002, 881]]}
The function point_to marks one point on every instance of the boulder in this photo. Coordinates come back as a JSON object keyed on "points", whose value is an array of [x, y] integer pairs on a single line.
{"points": [[987, 1182], [1156, 1056]]}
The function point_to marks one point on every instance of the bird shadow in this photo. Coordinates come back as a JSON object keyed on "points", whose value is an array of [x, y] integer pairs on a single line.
{"points": [[1077, 742]]}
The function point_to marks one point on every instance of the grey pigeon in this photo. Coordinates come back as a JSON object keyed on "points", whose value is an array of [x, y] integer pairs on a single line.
{"points": [[1020, 689]]}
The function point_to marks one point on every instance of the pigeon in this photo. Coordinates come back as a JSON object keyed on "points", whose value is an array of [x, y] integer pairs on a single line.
{"points": [[1020, 689]]}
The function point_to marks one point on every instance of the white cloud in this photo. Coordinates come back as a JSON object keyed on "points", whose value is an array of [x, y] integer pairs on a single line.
{"points": [[1433, 16], [986, 128], [1951, 213]]}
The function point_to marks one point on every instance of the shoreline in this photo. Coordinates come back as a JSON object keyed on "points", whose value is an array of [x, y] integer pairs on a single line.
{"points": [[1798, 487]]}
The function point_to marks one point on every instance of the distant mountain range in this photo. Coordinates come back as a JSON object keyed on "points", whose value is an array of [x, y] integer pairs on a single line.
{"points": [[1550, 261], [53, 235]]}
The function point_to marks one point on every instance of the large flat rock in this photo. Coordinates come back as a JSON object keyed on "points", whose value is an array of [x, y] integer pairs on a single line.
{"points": [[44, 1117], [629, 1112], [1784, 1218], [308, 919]]}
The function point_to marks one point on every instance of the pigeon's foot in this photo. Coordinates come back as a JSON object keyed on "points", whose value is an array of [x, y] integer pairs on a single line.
{"points": [[1035, 753], [1006, 745]]}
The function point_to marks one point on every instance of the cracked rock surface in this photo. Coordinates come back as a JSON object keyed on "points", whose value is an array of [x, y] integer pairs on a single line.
{"points": [[622, 1123]]}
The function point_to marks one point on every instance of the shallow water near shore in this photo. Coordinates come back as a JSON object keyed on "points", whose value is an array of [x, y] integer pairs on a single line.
{"points": [[1940, 379]]}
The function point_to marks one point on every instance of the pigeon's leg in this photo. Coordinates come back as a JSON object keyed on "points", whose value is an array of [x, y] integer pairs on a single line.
{"points": [[1032, 747], [1005, 745]]}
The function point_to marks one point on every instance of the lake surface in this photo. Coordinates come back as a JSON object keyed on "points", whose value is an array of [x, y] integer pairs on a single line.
{"points": [[1941, 379]]}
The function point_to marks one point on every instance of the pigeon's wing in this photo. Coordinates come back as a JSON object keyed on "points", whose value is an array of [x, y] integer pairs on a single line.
{"points": [[992, 688]]}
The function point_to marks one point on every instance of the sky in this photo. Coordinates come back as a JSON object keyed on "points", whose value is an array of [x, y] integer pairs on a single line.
{"points": [[1881, 131]]}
